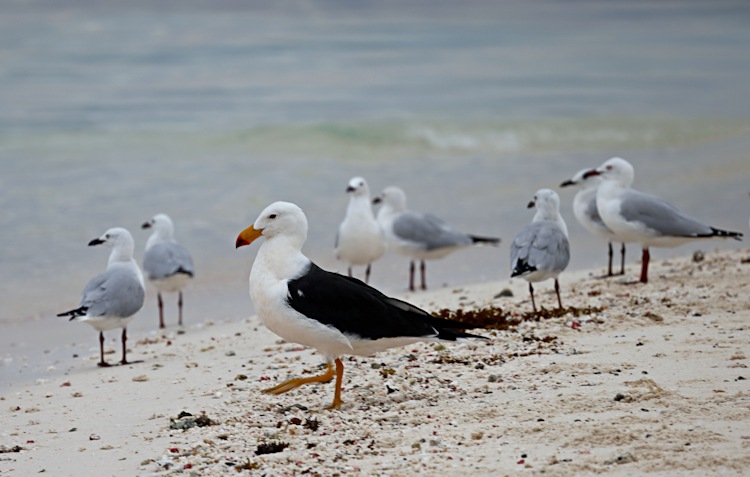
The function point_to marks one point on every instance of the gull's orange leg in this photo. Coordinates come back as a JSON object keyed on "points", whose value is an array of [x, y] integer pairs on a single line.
{"points": [[297, 382], [339, 378]]}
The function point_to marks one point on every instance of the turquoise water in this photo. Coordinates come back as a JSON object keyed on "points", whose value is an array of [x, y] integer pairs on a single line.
{"points": [[114, 111]]}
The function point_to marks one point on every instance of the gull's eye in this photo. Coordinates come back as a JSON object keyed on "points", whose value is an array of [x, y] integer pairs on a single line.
{"points": [[272, 216]]}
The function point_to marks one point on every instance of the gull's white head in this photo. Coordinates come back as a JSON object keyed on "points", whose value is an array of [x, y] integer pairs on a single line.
{"points": [[358, 187], [119, 240], [546, 202], [163, 229], [161, 223], [618, 170], [392, 197], [278, 219]]}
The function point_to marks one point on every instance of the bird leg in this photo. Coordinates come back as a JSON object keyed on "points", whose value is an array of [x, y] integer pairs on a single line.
{"points": [[622, 259], [350, 271], [339, 378], [297, 382], [124, 347], [557, 290], [367, 274], [644, 265], [411, 276], [102, 363], [531, 290], [161, 310], [609, 268], [421, 269], [179, 306]]}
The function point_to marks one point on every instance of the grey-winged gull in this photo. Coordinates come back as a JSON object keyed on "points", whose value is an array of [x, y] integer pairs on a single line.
{"points": [[541, 251], [360, 240], [420, 236], [333, 313], [168, 264], [110, 300], [587, 214], [643, 218]]}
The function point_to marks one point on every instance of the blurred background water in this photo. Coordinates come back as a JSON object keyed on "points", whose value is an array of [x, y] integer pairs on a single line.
{"points": [[114, 111]]}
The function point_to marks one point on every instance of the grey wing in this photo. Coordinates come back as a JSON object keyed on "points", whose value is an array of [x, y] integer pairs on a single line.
{"points": [[660, 216], [116, 292], [542, 245], [428, 230], [165, 259]]}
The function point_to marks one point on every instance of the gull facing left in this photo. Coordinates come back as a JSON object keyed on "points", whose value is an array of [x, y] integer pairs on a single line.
{"points": [[360, 239], [111, 299], [168, 264], [335, 314], [644, 218], [587, 213], [541, 251]]}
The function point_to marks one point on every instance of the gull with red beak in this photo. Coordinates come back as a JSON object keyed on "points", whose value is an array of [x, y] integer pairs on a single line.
{"points": [[335, 314], [643, 218], [587, 213]]}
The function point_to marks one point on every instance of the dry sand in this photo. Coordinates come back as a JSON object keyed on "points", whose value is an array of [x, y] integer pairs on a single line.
{"points": [[655, 383]]}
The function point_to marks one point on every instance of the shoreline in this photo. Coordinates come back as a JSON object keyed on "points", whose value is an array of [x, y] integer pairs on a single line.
{"points": [[656, 382]]}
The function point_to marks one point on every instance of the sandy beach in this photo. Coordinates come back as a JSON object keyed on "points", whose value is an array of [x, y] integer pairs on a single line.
{"points": [[633, 380]]}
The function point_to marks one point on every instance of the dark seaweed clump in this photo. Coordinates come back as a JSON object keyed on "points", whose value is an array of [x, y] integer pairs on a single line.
{"points": [[271, 447], [185, 421], [494, 318]]}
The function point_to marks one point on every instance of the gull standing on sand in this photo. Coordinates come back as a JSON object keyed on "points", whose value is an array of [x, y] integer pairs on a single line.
{"points": [[360, 240], [111, 299], [643, 218], [540, 250], [587, 213], [420, 236], [335, 314], [168, 265]]}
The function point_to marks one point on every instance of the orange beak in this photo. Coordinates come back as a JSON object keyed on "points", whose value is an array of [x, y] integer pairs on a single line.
{"points": [[247, 236]]}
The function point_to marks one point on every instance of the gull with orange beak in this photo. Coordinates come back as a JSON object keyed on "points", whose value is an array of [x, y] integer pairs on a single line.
{"points": [[335, 314]]}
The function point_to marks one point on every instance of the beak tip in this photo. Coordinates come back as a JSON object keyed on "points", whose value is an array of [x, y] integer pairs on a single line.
{"points": [[247, 236]]}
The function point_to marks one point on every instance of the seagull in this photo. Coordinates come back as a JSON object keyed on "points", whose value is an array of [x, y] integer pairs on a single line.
{"points": [[335, 314], [420, 236], [587, 214], [168, 265], [360, 240], [643, 218], [540, 250], [110, 300]]}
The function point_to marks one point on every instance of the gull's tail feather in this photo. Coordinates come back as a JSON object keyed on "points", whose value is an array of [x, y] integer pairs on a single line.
{"points": [[485, 240], [726, 234], [73, 314]]}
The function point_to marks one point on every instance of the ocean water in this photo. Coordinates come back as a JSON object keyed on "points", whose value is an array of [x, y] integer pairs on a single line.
{"points": [[208, 111]]}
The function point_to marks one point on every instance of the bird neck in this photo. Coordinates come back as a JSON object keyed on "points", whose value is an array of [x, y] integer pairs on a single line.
{"points": [[121, 253], [157, 237], [280, 257], [551, 216], [609, 189], [360, 205]]}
